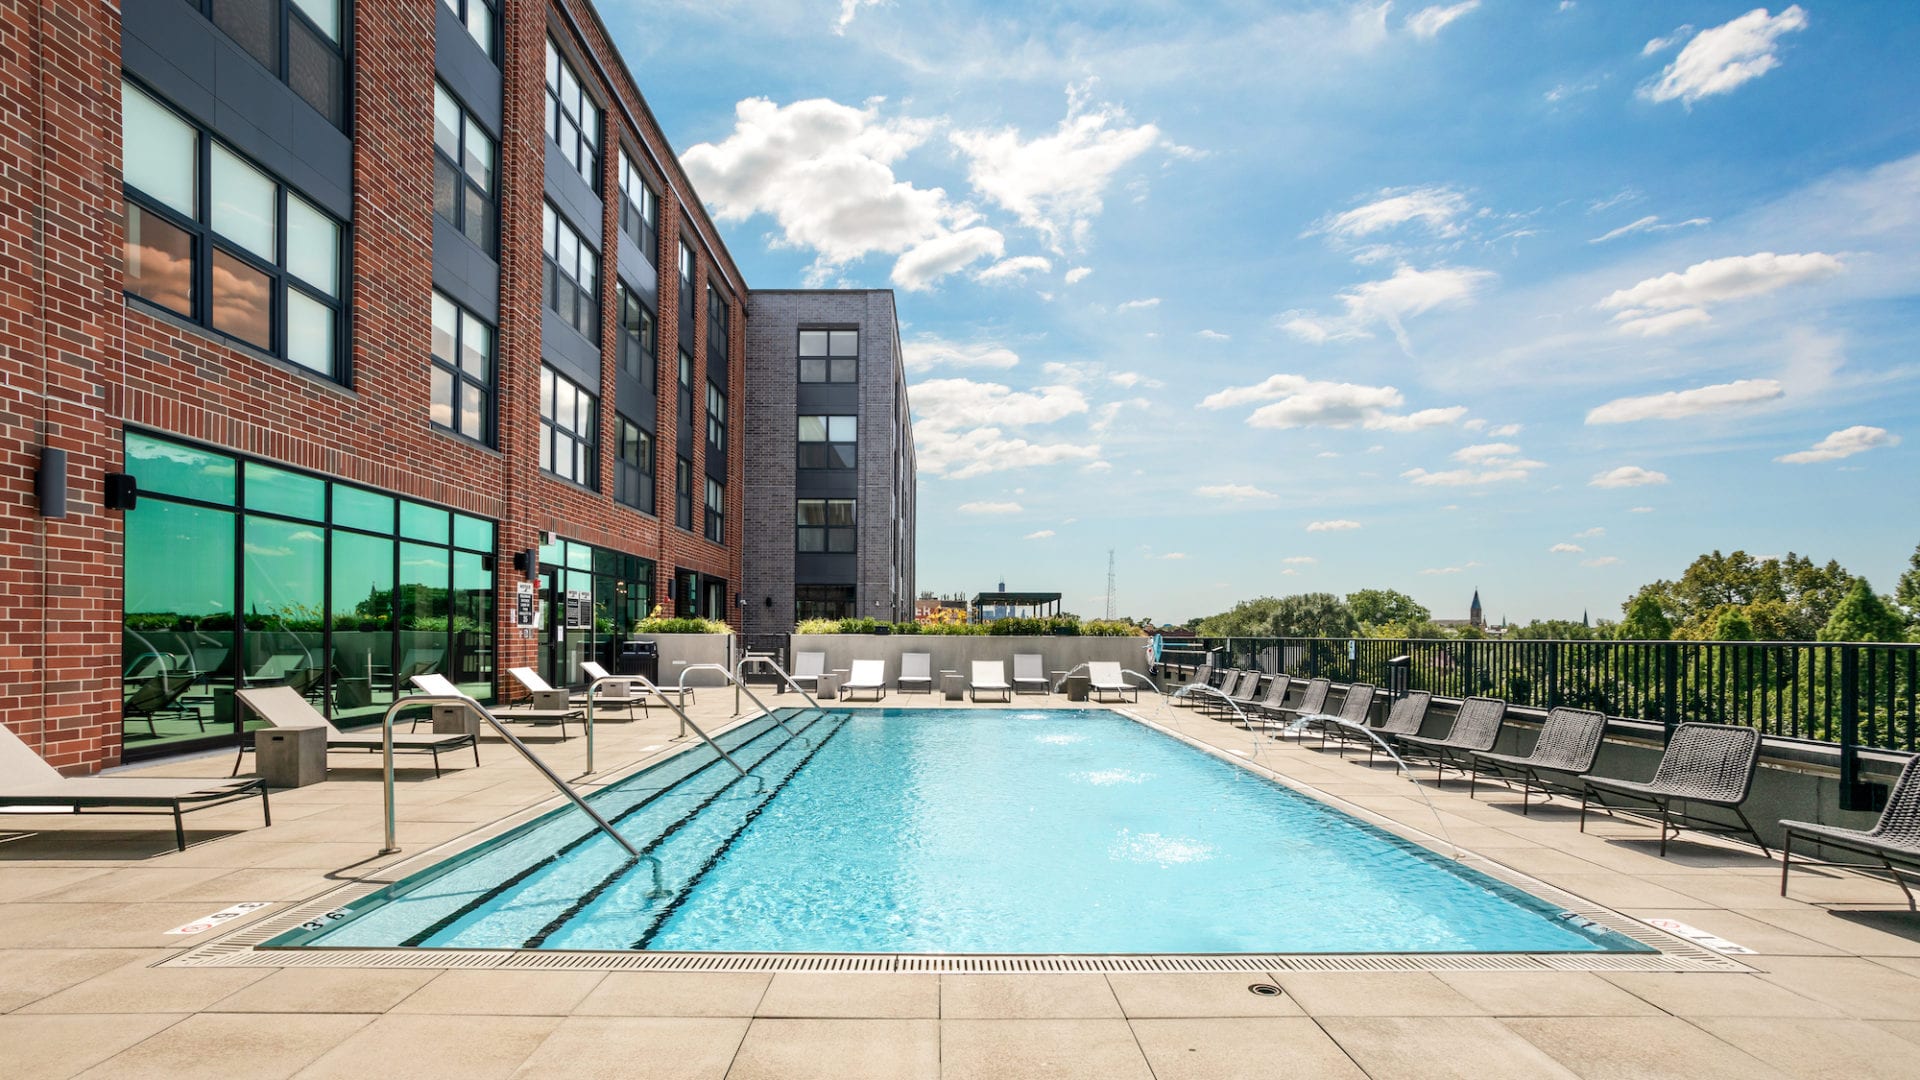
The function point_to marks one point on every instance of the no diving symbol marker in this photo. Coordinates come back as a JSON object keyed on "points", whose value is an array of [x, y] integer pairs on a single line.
{"points": [[224, 915]]}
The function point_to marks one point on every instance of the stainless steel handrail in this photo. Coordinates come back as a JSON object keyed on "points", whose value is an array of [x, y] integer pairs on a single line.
{"points": [[763, 658], [685, 722], [386, 723], [730, 677]]}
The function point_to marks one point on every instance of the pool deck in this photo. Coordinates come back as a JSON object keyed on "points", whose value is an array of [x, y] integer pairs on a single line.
{"points": [[85, 903]]}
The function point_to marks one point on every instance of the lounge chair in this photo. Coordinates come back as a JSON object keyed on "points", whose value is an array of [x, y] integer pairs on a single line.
{"points": [[1405, 718], [1895, 837], [1029, 671], [283, 707], [1202, 676], [1703, 763], [1209, 695], [1356, 707], [990, 676], [1275, 698], [614, 695], [26, 780], [161, 693], [1567, 744], [1312, 700], [438, 684], [808, 669], [276, 669], [1105, 677], [642, 696], [867, 675], [916, 668], [1237, 689], [1476, 726]]}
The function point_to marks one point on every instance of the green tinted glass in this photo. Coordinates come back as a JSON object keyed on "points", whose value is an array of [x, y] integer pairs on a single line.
{"points": [[472, 533], [356, 508], [579, 556], [170, 468], [421, 522], [277, 491]]}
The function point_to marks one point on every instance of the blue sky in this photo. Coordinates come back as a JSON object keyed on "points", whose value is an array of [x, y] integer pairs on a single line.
{"points": [[1541, 298]]}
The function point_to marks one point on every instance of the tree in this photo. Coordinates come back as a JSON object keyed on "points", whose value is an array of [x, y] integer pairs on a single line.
{"points": [[1786, 599], [1312, 615], [1248, 618], [1907, 592], [1863, 615], [1552, 630], [1381, 607], [1645, 621], [1732, 624]]}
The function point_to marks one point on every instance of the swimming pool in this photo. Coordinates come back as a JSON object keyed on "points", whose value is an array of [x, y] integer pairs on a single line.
{"points": [[958, 832]]}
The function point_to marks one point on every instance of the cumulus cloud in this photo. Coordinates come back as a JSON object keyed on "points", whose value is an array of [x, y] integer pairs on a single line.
{"points": [[1429, 21], [824, 172], [1140, 305], [1336, 525], [1627, 476], [1078, 274], [1390, 301], [1566, 549], [991, 508], [1487, 463], [1842, 444], [1041, 534], [1175, 555], [1297, 401], [1604, 560], [1212, 335], [1235, 492], [931, 350], [1661, 305], [1055, 184], [1640, 510], [1505, 431], [1720, 58], [1680, 404], [1444, 570], [1439, 210], [1650, 224], [1012, 271], [1300, 560], [960, 427], [848, 9], [1597, 530]]}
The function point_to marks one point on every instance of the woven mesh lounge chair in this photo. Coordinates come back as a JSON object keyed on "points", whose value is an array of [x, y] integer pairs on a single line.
{"points": [[1104, 677], [867, 676], [1566, 747], [1476, 726], [1312, 700], [1202, 676], [1275, 698], [1355, 708], [283, 707], [1241, 696], [1704, 763], [1405, 718], [989, 676], [1894, 838], [916, 669], [26, 780], [1029, 674]]}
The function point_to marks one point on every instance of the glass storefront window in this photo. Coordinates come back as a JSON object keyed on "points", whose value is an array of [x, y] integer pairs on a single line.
{"points": [[472, 533], [178, 636], [289, 494], [169, 468], [419, 522], [357, 508]]}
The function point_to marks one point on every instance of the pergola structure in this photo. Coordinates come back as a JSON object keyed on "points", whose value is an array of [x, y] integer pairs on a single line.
{"points": [[1029, 605]]}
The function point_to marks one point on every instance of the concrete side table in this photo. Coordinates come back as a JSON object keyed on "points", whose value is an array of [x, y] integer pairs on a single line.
{"points": [[826, 687], [1077, 687], [953, 686], [455, 720], [291, 757]]}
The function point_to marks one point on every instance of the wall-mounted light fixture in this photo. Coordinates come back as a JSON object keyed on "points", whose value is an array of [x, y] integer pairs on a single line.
{"points": [[52, 482]]}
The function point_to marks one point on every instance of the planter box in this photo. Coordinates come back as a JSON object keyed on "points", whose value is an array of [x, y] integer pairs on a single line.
{"points": [[679, 650]]}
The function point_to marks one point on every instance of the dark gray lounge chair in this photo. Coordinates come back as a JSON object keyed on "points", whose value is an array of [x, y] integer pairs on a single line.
{"points": [[1355, 708], [1202, 676], [1275, 698], [1208, 701], [1894, 838], [1404, 718], [1704, 763], [1476, 726], [1312, 700], [160, 693], [1568, 743]]}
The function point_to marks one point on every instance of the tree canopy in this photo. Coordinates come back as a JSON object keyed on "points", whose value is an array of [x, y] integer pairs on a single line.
{"points": [[1385, 607], [1645, 620], [1784, 599], [1861, 615]]}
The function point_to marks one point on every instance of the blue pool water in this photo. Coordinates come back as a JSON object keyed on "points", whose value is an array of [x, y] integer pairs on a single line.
{"points": [[976, 831]]}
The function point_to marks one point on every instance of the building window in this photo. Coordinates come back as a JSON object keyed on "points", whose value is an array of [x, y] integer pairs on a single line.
{"points": [[573, 276], [462, 371], [825, 526], [716, 511], [573, 120], [477, 17], [633, 482], [822, 602], [828, 442], [636, 339], [686, 279], [829, 356], [716, 324], [212, 238], [685, 394], [683, 493], [297, 40], [639, 210], [716, 420], [569, 427], [463, 169]]}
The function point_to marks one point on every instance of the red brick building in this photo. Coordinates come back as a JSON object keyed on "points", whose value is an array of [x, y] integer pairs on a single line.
{"points": [[371, 299]]}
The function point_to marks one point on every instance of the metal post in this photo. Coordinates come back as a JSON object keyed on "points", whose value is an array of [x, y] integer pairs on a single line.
{"points": [[1849, 728]]}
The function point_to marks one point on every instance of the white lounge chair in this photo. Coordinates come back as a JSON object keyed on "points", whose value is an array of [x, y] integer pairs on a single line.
{"points": [[1105, 677], [916, 668], [680, 695], [867, 675], [435, 683], [808, 668], [283, 707], [990, 676], [1029, 671], [26, 780]]}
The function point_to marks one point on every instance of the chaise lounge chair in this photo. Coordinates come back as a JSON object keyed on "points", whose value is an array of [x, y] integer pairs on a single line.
{"points": [[990, 676], [621, 695], [1275, 699], [808, 669], [1029, 671], [160, 693], [283, 707], [866, 676], [1704, 763], [1405, 718], [1312, 700], [916, 668], [1894, 838], [641, 694], [1202, 676], [1356, 708], [1105, 677], [1566, 747], [26, 780], [1476, 726]]}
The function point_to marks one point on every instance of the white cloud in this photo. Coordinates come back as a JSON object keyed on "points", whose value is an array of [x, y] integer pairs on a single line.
{"points": [[1650, 224], [931, 350], [1443, 570], [1662, 44], [824, 172], [1722, 57], [1505, 431], [1663, 324], [1499, 472], [1684, 297], [1627, 476], [1131, 379], [1297, 401], [1680, 404], [1176, 555], [1042, 534], [1236, 492], [1429, 21], [1486, 452], [991, 508], [1842, 444], [1336, 525], [1140, 305], [1391, 301], [1585, 534], [1289, 572], [959, 427], [1055, 183], [1213, 335], [848, 9], [1604, 560], [1012, 271], [1300, 560], [1566, 549], [1078, 274], [1640, 510], [1439, 209]]}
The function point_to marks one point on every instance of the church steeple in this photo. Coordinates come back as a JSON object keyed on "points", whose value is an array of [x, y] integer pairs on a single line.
{"points": [[1474, 617]]}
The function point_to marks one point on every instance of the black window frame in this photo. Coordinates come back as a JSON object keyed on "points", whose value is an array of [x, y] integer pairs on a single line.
{"points": [[715, 507], [716, 418], [584, 445], [287, 17], [639, 339], [585, 154], [683, 493], [812, 602], [686, 266], [463, 181], [633, 472], [642, 222], [826, 530], [463, 11], [828, 368], [824, 453], [461, 377], [585, 300], [205, 242], [683, 379], [716, 323]]}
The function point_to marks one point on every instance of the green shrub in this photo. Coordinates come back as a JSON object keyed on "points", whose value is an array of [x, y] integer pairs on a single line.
{"points": [[681, 626], [1110, 628], [906, 628], [1064, 626], [1017, 625], [817, 626]]}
